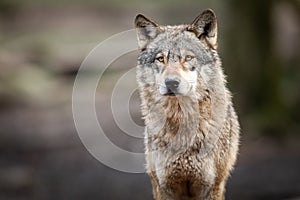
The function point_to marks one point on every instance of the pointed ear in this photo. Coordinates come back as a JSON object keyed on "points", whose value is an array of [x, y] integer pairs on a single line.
{"points": [[146, 30], [205, 27]]}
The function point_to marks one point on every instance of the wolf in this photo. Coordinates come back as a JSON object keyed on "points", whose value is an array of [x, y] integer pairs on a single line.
{"points": [[191, 128]]}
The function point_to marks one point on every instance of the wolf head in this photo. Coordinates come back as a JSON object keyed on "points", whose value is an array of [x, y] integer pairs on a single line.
{"points": [[178, 60]]}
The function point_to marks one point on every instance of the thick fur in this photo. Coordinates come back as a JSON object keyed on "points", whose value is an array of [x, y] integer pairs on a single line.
{"points": [[192, 134]]}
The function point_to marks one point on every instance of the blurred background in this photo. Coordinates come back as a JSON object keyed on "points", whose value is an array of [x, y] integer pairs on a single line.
{"points": [[42, 46]]}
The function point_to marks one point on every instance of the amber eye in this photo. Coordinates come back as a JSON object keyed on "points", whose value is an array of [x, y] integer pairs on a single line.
{"points": [[188, 57], [160, 59]]}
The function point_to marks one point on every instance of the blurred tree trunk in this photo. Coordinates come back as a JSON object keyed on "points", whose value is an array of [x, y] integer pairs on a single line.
{"points": [[250, 52], [8, 12]]}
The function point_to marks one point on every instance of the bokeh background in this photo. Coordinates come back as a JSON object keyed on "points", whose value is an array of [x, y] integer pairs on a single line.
{"points": [[42, 44]]}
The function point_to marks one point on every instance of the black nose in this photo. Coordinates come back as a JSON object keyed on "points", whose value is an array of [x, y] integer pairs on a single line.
{"points": [[172, 84]]}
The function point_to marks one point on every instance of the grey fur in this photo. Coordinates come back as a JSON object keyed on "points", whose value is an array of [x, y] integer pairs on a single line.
{"points": [[191, 139]]}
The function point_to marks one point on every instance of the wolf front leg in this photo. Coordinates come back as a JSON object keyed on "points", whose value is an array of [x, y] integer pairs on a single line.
{"points": [[155, 186], [218, 191]]}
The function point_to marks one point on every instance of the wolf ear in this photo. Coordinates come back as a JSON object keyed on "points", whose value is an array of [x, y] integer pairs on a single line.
{"points": [[146, 30], [205, 27]]}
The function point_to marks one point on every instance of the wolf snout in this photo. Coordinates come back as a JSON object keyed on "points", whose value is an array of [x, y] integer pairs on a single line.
{"points": [[172, 84]]}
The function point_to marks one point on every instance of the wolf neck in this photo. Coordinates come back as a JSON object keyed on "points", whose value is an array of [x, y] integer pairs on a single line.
{"points": [[184, 115], [175, 115], [181, 112]]}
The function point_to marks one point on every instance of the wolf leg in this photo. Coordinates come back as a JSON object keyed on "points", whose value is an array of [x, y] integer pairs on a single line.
{"points": [[155, 186], [218, 192]]}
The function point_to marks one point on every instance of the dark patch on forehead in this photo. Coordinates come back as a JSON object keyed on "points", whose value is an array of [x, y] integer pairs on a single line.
{"points": [[168, 56]]}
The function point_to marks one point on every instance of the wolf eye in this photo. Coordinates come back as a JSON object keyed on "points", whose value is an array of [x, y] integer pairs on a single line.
{"points": [[188, 57], [160, 59]]}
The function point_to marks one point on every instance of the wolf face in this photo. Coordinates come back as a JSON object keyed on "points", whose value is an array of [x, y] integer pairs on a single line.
{"points": [[175, 72], [176, 60]]}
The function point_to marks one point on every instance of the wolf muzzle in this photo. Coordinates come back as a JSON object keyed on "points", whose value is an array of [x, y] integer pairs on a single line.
{"points": [[172, 86]]}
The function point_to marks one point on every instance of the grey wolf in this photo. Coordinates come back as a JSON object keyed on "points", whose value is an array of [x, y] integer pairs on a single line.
{"points": [[192, 130]]}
